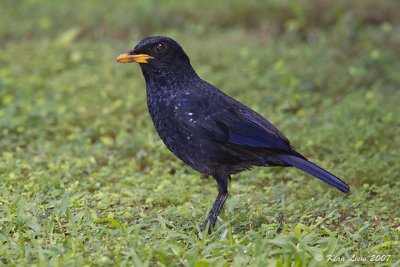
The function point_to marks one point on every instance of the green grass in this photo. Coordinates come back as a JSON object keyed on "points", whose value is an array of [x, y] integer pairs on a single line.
{"points": [[85, 180]]}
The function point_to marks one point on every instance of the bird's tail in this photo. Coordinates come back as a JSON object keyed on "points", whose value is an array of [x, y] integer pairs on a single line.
{"points": [[316, 171]]}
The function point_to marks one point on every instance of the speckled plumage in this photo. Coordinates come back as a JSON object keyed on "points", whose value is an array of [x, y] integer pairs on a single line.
{"points": [[211, 132]]}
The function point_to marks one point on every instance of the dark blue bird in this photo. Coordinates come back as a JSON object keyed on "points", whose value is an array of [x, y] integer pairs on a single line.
{"points": [[210, 131]]}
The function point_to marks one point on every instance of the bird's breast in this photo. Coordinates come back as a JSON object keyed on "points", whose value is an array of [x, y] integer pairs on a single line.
{"points": [[167, 115]]}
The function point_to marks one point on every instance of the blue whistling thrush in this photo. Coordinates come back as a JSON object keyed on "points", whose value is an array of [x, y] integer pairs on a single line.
{"points": [[210, 131]]}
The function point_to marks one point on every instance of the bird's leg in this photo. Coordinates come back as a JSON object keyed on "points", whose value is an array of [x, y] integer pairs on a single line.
{"points": [[213, 214], [219, 202]]}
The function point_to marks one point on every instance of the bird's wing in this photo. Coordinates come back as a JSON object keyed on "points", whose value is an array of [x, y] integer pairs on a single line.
{"points": [[226, 121]]}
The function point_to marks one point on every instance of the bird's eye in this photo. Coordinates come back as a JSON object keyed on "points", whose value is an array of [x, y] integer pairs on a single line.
{"points": [[160, 47]]}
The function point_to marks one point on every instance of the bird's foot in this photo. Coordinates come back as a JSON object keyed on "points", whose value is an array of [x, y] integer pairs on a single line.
{"points": [[213, 214], [210, 222]]}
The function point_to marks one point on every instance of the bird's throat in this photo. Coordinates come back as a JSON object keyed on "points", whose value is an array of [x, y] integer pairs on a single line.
{"points": [[169, 78]]}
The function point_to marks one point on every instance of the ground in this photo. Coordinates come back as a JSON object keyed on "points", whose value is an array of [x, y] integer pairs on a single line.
{"points": [[85, 180]]}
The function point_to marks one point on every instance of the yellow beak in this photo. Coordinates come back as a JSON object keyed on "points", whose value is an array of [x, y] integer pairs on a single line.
{"points": [[140, 58]]}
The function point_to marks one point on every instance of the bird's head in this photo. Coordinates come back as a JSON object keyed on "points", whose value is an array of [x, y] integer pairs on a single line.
{"points": [[157, 54]]}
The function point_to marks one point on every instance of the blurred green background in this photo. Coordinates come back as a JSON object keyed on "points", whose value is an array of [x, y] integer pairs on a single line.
{"points": [[84, 178]]}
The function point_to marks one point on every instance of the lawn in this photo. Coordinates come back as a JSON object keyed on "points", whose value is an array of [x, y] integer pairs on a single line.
{"points": [[85, 180]]}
